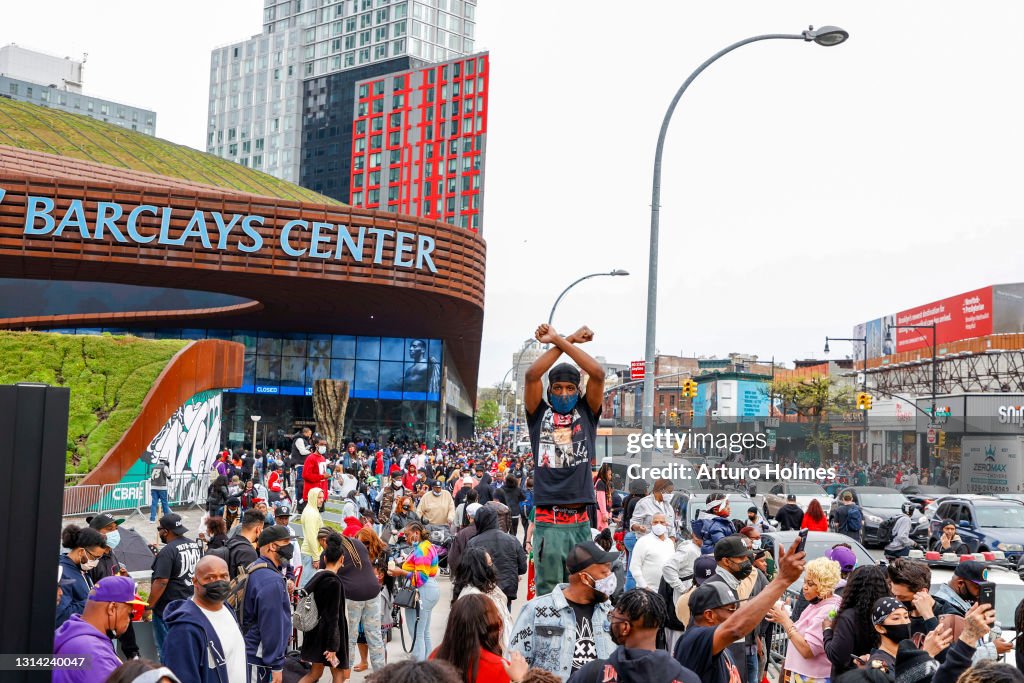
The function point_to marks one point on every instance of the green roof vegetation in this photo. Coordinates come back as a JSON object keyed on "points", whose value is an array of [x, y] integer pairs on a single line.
{"points": [[108, 376], [42, 129]]}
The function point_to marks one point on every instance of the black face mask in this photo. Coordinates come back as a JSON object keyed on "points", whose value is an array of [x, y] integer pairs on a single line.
{"points": [[966, 596], [285, 552], [217, 591], [897, 632], [744, 570]]}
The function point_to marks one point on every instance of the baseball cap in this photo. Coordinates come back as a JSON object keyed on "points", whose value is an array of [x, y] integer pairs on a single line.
{"points": [[233, 502], [731, 546], [283, 511], [971, 571], [468, 479], [472, 508], [115, 589], [711, 596], [172, 523], [271, 534], [585, 554], [752, 508], [791, 497], [703, 568], [103, 520], [433, 482], [846, 558]]}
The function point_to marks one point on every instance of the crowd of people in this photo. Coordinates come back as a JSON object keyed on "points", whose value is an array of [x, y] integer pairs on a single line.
{"points": [[617, 590]]}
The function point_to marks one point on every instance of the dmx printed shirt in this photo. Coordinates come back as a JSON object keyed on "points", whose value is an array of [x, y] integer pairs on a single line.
{"points": [[563, 452]]}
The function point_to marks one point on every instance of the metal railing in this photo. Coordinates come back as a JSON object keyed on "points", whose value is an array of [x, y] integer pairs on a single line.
{"points": [[187, 489], [78, 500]]}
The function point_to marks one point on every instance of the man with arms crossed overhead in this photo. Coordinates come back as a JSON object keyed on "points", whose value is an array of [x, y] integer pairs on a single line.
{"points": [[563, 432]]}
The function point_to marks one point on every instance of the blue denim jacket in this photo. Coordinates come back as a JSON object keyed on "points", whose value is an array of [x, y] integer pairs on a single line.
{"points": [[545, 632]]}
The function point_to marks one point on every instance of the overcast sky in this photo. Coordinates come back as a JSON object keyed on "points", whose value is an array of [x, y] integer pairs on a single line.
{"points": [[805, 189]]}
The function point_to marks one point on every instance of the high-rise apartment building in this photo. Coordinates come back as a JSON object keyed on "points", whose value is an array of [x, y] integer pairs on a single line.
{"points": [[258, 86], [56, 82], [418, 141]]}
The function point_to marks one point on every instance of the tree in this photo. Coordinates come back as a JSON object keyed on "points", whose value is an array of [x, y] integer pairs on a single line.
{"points": [[487, 415], [330, 402], [814, 398]]}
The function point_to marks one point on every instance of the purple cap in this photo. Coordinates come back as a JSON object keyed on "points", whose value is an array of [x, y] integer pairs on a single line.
{"points": [[115, 589], [846, 558]]}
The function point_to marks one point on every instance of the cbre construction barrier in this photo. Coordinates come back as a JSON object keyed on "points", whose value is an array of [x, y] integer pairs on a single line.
{"points": [[187, 489]]}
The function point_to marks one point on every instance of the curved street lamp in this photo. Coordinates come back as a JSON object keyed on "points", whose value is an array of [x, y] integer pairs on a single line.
{"points": [[614, 273], [826, 36]]}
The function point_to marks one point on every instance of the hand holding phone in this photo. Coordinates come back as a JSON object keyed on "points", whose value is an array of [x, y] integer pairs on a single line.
{"points": [[987, 593], [803, 540]]}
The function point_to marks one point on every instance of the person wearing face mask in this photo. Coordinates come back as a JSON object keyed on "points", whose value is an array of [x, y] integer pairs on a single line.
{"points": [[388, 497], [327, 643], [312, 521], [105, 616], [404, 515], [563, 433], [756, 521], [805, 655], [634, 629], [714, 523], [568, 628], [892, 623], [173, 568], [909, 582], [438, 506], [110, 566], [736, 569], [267, 624], [85, 548], [658, 502], [961, 592], [314, 471], [651, 553], [208, 645], [949, 540]]}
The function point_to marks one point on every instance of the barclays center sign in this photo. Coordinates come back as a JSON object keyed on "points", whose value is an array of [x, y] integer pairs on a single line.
{"points": [[216, 231]]}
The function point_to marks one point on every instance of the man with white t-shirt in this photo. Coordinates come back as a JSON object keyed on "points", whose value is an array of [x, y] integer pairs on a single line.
{"points": [[208, 645]]}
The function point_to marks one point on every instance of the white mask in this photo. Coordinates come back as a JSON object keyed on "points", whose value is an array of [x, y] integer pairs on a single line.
{"points": [[321, 449], [667, 497], [659, 529], [89, 565]]}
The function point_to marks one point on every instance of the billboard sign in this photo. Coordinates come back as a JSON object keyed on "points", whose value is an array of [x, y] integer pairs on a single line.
{"points": [[637, 369], [958, 317]]}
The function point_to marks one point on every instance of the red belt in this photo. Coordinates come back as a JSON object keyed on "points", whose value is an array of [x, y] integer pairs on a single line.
{"points": [[556, 515]]}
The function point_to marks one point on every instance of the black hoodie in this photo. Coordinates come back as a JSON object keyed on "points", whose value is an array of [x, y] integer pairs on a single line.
{"points": [[505, 550], [641, 666]]}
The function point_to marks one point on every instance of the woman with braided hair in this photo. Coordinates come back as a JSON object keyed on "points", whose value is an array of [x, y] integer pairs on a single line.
{"points": [[362, 603], [852, 633], [635, 622]]}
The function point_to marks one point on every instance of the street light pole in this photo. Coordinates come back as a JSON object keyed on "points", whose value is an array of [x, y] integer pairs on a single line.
{"points": [[864, 382], [255, 424], [826, 36], [614, 273]]}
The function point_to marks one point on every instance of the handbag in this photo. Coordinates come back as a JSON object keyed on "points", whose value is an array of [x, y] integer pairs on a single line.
{"points": [[408, 597], [306, 615]]}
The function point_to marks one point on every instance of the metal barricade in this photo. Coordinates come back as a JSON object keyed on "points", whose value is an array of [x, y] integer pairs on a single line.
{"points": [[79, 500], [130, 496], [777, 644], [187, 489]]}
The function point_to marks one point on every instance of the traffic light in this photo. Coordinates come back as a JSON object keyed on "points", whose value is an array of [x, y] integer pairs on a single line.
{"points": [[863, 401], [867, 401], [689, 389], [942, 439]]}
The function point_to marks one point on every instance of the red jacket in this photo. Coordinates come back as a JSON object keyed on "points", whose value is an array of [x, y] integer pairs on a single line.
{"points": [[314, 474], [274, 482], [488, 670], [811, 525]]}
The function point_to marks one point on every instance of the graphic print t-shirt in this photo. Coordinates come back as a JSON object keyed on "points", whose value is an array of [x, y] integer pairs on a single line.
{"points": [[584, 644], [694, 651], [563, 449], [177, 563]]}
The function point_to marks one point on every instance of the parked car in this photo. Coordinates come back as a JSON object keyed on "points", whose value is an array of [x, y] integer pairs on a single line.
{"points": [[985, 523], [879, 503], [931, 509], [922, 495], [1019, 497], [818, 543], [769, 500]]}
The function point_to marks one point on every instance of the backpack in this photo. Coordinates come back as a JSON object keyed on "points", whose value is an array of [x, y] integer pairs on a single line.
{"points": [[236, 597], [854, 518], [526, 504], [885, 530]]}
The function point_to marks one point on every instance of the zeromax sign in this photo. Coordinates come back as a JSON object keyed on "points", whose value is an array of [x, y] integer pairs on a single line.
{"points": [[214, 231]]}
